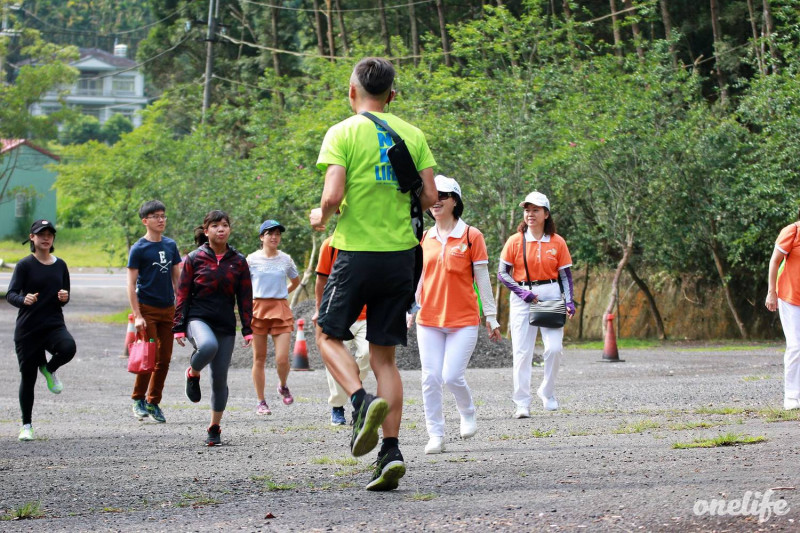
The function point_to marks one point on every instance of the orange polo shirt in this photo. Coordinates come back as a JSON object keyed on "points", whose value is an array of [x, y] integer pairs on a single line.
{"points": [[327, 256], [789, 280], [545, 257], [448, 299]]}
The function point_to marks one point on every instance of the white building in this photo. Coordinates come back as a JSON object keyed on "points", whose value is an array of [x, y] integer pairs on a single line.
{"points": [[108, 84]]}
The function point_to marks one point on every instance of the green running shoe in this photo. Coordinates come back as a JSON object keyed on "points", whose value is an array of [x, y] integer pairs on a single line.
{"points": [[26, 433], [53, 383], [139, 409], [389, 468], [368, 420], [155, 412]]}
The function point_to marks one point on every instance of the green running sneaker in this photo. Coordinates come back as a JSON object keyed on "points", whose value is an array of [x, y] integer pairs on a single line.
{"points": [[368, 419], [53, 383], [389, 468], [139, 409], [155, 412], [26, 433]]}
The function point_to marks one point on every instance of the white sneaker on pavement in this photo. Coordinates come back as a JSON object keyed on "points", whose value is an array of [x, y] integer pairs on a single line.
{"points": [[522, 412], [790, 404], [435, 445], [469, 426], [550, 404]]}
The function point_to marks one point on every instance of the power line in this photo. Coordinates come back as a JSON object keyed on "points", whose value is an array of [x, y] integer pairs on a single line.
{"points": [[94, 33], [352, 10]]}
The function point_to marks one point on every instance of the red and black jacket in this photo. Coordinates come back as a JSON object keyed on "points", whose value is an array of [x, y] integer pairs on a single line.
{"points": [[208, 289]]}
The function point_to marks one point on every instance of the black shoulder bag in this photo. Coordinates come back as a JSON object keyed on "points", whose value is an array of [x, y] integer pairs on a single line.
{"points": [[547, 313], [408, 181]]}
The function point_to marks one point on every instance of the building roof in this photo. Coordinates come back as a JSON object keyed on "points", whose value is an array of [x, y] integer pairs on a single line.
{"points": [[7, 145], [106, 57]]}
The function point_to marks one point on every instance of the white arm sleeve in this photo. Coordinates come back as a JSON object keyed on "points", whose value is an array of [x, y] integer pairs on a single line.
{"points": [[485, 292]]}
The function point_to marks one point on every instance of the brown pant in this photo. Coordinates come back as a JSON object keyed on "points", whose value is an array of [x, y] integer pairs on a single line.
{"points": [[159, 327]]}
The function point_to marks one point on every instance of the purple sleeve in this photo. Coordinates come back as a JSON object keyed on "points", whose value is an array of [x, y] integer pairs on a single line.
{"points": [[566, 283], [504, 276]]}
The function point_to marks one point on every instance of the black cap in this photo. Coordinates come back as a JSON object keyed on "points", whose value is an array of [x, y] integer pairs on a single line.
{"points": [[41, 225]]}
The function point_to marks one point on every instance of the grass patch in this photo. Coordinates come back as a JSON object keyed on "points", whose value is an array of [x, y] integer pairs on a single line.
{"points": [[727, 347], [271, 485], [755, 378], [422, 496], [729, 439], [579, 432], [112, 510], [775, 414], [720, 411], [120, 317], [77, 246], [353, 471], [621, 343], [460, 460], [539, 434], [309, 427], [189, 499], [410, 401], [637, 427], [346, 461], [25, 511], [410, 425]]}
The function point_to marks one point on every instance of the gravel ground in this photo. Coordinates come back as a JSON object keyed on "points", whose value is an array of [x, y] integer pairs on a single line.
{"points": [[603, 462]]}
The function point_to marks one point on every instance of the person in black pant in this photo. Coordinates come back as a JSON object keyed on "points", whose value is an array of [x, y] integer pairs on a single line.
{"points": [[40, 288]]}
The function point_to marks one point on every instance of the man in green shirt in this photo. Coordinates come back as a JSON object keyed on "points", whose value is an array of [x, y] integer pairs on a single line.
{"points": [[375, 265]]}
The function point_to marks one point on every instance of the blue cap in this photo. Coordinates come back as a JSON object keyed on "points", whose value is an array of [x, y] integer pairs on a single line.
{"points": [[268, 225]]}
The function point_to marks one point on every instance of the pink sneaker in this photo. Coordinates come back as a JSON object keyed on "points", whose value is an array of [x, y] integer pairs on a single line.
{"points": [[263, 408], [287, 396]]}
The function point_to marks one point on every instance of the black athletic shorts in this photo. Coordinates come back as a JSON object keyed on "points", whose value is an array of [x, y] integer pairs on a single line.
{"points": [[383, 281]]}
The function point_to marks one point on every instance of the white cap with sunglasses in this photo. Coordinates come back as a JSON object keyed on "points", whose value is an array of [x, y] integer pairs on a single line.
{"points": [[445, 184]]}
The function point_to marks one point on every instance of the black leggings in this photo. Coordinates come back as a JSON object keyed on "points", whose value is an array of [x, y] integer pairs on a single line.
{"points": [[31, 355]]}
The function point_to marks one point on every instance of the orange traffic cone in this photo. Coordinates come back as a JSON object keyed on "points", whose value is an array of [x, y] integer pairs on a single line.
{"points": [[300, 355], [610, 352], [130, 335]]}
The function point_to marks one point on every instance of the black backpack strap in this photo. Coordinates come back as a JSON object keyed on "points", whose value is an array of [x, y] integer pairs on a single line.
{"points": [[469, 246], [383, 124], [525, 256]]}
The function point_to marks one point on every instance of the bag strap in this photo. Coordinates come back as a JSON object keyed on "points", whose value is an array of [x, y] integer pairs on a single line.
{"points": [[525, 256], [383, 124], [469, 247]]}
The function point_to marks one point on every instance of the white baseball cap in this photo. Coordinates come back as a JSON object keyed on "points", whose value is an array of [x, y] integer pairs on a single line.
{"points": [[536, 198], [445, 184]]}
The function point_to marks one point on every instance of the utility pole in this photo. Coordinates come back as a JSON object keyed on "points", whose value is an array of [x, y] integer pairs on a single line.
{"points": [[211, 38]]}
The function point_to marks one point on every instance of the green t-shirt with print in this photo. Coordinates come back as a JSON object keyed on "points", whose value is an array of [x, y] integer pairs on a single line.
{"points": [[374, 214]]}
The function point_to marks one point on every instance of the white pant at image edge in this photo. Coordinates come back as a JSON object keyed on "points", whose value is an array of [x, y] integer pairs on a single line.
{"points": [[444, 354], [359, 347], [523, 339], [790, 320]]}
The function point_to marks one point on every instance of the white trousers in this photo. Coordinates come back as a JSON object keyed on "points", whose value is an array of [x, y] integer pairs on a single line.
{"points": [[790, 320], [523, 339], [444, 354], [359, 347]]}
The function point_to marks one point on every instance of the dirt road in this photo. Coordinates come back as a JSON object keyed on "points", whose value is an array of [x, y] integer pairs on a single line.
{"points": [[605, 461]]}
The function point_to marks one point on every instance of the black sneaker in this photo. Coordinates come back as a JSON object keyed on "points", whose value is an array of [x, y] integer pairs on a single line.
{"points": [[154, 412], [192, 387], [213, 438], [367, 420], [389, 468]]}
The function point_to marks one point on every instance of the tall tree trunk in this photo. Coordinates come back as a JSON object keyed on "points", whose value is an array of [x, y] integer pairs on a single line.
{"points": [[567, 10], [387, 43], [637, 33], [627, 251], [583, 302], [307, 273], [412, 19], [770, 29], [754, 29], [318, 29], [667, 21], [276, 64], [716, 28], [443, 31], [342, 30], [651, 302], [722, 271], [329, 22], [615, 28]]}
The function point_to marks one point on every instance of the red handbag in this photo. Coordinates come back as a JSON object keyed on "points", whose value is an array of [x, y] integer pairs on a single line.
{"points": [[142, 358]]}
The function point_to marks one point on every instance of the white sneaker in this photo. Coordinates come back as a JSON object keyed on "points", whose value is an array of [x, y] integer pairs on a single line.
{"points": [[435, 445], [550, 404], [469, 426], [26, 433], [522, 412], [791, 403]]}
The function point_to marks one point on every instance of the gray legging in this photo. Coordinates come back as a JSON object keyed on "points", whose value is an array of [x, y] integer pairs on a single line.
{"points": [[213, 350]]}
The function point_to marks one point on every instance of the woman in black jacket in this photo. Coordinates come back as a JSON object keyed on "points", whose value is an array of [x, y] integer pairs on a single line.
{"points": [[214, 278]]}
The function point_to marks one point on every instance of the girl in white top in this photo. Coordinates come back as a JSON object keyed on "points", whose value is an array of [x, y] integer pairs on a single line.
{"points": [[269, 270]]}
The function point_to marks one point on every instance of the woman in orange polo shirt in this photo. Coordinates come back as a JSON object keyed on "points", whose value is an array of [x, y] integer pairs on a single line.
{"points": [[544, 277], [448, 322], [784, 295]]}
